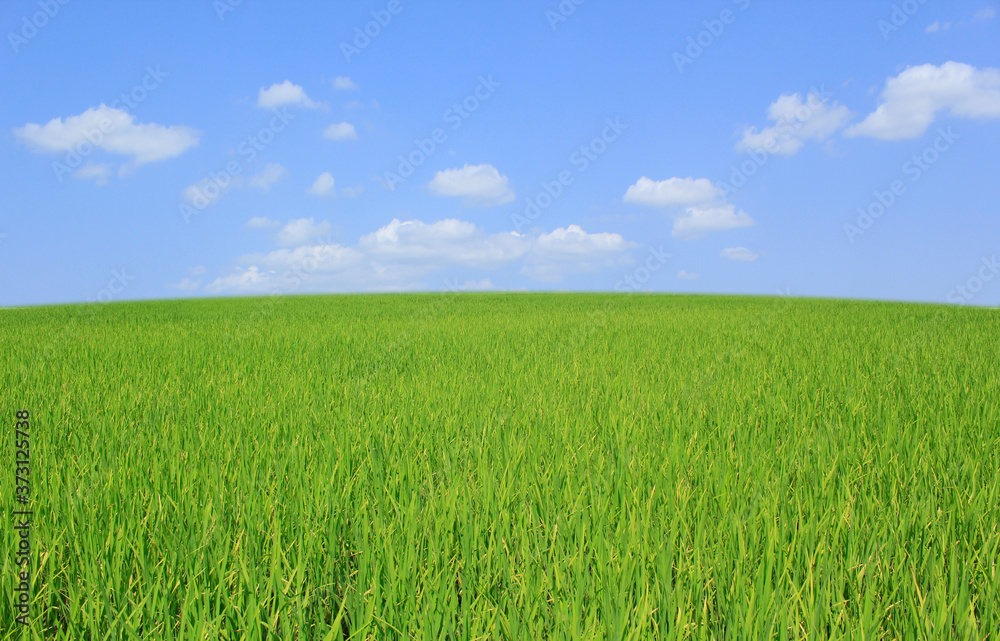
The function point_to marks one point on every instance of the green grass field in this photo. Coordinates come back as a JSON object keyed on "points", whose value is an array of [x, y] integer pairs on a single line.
{"points": [[514, 466]]}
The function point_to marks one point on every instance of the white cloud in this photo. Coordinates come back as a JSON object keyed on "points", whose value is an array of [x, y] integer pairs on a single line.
{"points": [[704, 210], [352, 192], [112, 130], [402, 254], [197, 270], [699, 221], [478, 184], [98, 172], [185, 285], [572, 241], [271, 174], [571, 250], [446, 242], [322, 186], [340, 131], [796, 121], [206, 192], [672, 192], [910, 101], [344, 83], [284, 93], [475, 286], [261, 222], [936, 26], [686, 275], [301, 231], [986, 13], [240, 281], [739, 253]]}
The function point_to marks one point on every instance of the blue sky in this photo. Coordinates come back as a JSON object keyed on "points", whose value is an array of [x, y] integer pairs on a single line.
{"points": [[181, 149]]}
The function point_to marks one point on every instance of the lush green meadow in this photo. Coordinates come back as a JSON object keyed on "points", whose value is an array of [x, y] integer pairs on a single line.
{"points": [[519, 466]]}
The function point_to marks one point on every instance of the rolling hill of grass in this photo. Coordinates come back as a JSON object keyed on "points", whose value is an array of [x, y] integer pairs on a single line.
{"points": [[528, 466]]}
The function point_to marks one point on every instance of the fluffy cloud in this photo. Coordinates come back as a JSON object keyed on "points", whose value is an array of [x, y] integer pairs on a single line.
{"points": [[301, 231], [672, 192], [240, 281], [739, 253], [344, 83], [910, 101], [796, 121], [686, 275], [284, 93], [478, 184], [446, 242], [185, 285], [475, 286], [571, 250], [271, 174], [98, 172], [261, 222], [206, 192], [112, 130], [323, 185], [699, 221], [340, 131], [986, 13], [572, 241], [703, 211], [400, 255]]}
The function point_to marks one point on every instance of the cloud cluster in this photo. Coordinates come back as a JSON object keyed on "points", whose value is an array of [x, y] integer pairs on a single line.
{"points": [[795, 121], [698, 205], [910, 101], [908, 105], [111, 130], [402, 254], [208, 191]]}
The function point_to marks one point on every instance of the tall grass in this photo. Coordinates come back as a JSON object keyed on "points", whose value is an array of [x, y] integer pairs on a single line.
{"points": [[503, 466]]}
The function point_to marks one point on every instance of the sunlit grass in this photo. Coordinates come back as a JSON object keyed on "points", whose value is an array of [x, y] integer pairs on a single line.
{"points": [[508, 466]]}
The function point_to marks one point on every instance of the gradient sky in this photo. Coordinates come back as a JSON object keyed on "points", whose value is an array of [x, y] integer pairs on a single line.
{"points": [[180, 149]]}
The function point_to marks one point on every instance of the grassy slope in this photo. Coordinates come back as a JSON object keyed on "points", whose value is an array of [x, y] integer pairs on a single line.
{"points": [[528, 466]]}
